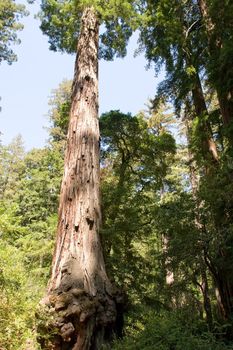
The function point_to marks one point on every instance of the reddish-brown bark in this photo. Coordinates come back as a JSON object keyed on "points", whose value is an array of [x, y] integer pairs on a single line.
{"points": [[78, 245], [80, 297]]}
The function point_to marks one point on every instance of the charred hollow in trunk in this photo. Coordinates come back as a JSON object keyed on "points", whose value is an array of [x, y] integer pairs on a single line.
{"points": [[83, 303]]}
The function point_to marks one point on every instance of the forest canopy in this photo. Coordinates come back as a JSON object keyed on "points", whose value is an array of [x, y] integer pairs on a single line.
{"points": [[149, 262]]}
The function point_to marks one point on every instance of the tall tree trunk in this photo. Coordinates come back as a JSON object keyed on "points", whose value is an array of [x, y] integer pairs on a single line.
{"points": [[204, 285], [206, 297], [221, 271], [80, 295], [208, 144], [168, 271], [169, 274], [77, 243], [225, 97], [222, 276]]}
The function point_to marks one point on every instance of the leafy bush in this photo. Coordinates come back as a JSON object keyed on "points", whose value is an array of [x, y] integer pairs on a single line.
{"points": [[176, 330], [19, 296]]}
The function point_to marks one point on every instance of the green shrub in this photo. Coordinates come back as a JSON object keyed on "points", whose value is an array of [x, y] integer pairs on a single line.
{"points": [[19, 294], [175, 330]]}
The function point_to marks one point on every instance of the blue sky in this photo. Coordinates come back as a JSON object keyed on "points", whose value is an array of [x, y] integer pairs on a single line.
{"points": [[25, 86]]}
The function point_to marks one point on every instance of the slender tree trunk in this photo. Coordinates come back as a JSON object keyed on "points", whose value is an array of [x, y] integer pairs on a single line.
{"points": [[204, 285], [206, 297], [221, 272], [80, 295], [208, 144], [224, 288], [169, 273]]}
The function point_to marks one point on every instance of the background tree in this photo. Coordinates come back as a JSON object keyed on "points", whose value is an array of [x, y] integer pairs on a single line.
{"points": [[218, 29], [9, 26], [188, 78], [134, 162], [11, 167]]}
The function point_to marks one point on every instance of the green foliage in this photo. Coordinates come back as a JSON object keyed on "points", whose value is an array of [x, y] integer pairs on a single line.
{"points": [[177, 331], [10, 223], [19, 296], [11, 167], [28, 217], [61, 22], [219, 66], [10, 14], [60, 103], [134, 162], [171, 37], [39, 185]]}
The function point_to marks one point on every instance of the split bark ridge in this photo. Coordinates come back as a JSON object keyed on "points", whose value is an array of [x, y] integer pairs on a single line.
{"points": [[84, 303]]}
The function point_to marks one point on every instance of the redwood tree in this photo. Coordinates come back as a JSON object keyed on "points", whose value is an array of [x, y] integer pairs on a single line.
{"points": [[84, 305], [217, 20]]}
